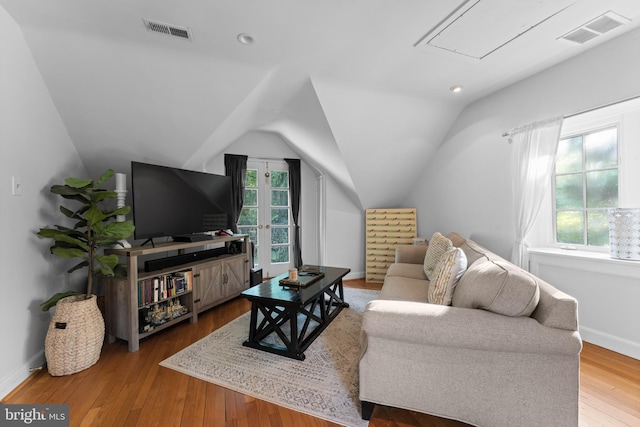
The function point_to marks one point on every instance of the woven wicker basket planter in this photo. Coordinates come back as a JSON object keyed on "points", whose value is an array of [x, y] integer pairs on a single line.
{"points": [[75, 336]]}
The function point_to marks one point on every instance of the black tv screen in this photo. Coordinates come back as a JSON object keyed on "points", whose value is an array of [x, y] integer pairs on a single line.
{"points": [[177, 202]]}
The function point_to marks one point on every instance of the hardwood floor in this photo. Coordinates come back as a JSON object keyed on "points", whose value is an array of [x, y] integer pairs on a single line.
{"points": [[131, 389]]}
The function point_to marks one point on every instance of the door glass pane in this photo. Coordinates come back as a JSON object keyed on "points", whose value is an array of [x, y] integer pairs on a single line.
{"points": [[598, 228], [248, 216], [251, 178], [601, 149], [280, 216], [280, 254], [569, 156], [280, 179], [250, 197], [279, 235], [569, 191], [570, 226], [602, 189], [251, 231], [279, 197]]}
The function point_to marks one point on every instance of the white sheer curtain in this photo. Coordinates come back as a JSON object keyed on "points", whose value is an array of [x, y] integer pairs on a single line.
{"points": [[532, 163]]}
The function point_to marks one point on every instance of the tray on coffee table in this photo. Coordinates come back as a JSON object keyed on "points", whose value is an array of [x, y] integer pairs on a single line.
{"points": [[305, 278]]}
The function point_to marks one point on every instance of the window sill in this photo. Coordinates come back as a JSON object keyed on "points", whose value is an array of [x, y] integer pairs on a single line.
{"points": [[597, 262]]}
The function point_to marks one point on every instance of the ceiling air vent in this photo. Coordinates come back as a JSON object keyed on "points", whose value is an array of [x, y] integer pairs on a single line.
{"points": [[592, 29], [168, 29]]}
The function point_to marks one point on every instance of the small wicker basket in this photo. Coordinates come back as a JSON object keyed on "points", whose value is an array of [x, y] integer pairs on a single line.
{"points": [[75, 336]]}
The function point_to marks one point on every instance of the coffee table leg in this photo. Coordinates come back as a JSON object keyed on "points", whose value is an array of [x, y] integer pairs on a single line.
{"points": [[293, 344], [254, 321]]}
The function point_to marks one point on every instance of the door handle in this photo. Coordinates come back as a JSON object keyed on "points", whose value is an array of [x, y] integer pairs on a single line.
{"points": [[268, 226]]}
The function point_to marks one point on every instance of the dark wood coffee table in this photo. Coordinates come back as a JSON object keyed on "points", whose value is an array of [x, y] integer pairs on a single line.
{"points": [[281, 307]]}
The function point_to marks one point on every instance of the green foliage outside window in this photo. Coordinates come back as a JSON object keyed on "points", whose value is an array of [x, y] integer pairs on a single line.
{"points": [[586, 186], [280, 179]]}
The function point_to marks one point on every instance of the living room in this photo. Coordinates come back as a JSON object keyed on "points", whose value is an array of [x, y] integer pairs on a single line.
{"points": [[447, 154]]}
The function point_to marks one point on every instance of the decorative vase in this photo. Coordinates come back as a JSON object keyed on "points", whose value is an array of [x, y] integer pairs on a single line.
{"points": [[75, 336], [624, 233]]}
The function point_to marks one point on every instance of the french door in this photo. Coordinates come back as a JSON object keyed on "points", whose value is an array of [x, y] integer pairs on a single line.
{"points": [[266, 215]]}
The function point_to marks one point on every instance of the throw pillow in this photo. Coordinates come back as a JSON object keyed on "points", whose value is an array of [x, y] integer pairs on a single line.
{"points": [[497, 286], [450, 268], [438, 246]]}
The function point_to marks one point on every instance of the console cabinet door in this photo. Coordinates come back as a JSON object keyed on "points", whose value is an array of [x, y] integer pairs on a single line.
{"points": [[235, 276], [208, 284]]}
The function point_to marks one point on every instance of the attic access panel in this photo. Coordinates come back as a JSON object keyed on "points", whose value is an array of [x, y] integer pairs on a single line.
{"points": [[480, 27]]}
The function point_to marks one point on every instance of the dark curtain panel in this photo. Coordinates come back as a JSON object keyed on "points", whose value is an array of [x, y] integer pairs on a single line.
{"points": [[236, 167], [295, 185]]}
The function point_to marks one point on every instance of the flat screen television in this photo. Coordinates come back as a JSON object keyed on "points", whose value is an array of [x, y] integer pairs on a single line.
{"points": [[180, 203]]}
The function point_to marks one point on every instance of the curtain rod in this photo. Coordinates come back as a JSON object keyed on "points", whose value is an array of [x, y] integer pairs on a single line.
{"points": [[588, 110]]}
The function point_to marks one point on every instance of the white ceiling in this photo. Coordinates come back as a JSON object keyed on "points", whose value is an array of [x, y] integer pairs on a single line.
{"points": [[358, 88]]}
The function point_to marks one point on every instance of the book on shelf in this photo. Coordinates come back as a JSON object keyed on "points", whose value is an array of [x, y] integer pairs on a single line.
{"points": [[162, 287]]}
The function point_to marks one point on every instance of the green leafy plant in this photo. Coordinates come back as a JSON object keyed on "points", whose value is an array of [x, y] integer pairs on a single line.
{"points": [[94, 229]]}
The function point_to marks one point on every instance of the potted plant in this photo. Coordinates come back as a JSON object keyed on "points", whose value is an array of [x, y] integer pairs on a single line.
{"points": [[76, 333]]}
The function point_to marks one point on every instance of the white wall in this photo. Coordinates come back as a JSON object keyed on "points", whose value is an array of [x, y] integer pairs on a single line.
{"points": [[466, 187], [345, 231], [36, 147]]}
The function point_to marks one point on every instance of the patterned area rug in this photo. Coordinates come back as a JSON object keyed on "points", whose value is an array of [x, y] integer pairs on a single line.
{"points": [[324, 385]]}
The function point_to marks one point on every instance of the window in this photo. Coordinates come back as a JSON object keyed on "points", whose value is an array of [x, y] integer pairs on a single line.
{"points": [[586, 186]]}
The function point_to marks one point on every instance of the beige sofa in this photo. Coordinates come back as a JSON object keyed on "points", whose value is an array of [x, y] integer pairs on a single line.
{"points": [[505, 353]]}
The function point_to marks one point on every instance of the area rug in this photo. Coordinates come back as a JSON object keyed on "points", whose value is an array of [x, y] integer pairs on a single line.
{"points": [[324, 385]]}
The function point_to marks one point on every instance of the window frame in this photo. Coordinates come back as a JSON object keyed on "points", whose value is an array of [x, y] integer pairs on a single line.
{"points": [[583, 131]]}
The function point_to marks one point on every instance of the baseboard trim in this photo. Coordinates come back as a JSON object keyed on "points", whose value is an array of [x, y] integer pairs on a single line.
{"points": [[611, 342], [17, 377], [354, 275]]}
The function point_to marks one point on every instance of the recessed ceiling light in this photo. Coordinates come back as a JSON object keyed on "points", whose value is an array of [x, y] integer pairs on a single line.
{"points": [[245, 38], [456, 89]]}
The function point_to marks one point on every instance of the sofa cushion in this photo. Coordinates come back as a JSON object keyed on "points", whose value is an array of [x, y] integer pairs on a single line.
{"points": [[497, 286], [449, 269], [404, 289], [414, 271], [438, 246]]}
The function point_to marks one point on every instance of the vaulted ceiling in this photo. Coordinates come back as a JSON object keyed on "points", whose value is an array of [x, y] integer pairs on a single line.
{"points": [[360, 89]]}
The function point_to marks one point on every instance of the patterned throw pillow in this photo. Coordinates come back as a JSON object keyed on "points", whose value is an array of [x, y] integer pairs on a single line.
{"points": [[438, 246], [449, 269]]}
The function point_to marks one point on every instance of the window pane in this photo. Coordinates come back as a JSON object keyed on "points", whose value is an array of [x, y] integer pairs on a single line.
{"points": [[280, 179], [279, 197], [601, 149], [602, 189], [598, 228], [250, 197], [570, 226], [280, 254], [248, 216], [279, 235], [279, 216], [569, 155], [569, 191], [251, 178]]}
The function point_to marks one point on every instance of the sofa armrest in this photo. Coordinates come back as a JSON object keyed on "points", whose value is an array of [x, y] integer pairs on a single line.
{"points": [[411, 254], [465, 328]]}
